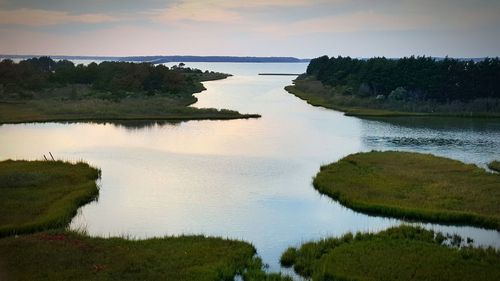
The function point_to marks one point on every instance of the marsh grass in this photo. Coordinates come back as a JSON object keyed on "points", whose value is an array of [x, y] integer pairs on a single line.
{"points": [[82, 102], [413, 186], [400, 253], [61, 255], [68, 255], [41, 195], [155, 108], [494, 165], [315, 93]]}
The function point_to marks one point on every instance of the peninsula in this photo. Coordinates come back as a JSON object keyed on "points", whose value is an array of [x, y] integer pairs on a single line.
{"points": [[414, 86], [41, 90]]}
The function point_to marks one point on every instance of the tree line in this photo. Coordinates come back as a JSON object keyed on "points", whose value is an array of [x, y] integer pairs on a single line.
{"points": [[115, 77], [410, 78]]}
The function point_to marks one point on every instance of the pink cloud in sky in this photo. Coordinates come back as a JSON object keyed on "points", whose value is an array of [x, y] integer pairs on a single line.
{"points": [[38, 17]]}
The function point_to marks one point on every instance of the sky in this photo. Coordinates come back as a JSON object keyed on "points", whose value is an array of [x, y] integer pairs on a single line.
{"points": [[298, 28]]}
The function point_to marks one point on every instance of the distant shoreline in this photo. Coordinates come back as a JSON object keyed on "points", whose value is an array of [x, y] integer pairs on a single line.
{"points": [[167, 59], [279, 74]]}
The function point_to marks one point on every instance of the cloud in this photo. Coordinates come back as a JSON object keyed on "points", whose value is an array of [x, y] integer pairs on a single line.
{"points": [[38, 17], [369, 20], [221, 11], [352, 22], [194, 11]]}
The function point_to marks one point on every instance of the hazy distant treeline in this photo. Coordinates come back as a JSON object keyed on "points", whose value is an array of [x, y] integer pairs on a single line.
{"points": [[39, 73], [413, 78]]}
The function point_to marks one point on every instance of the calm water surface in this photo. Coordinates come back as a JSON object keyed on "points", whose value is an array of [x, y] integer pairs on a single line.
{"points": [[243, 179]]}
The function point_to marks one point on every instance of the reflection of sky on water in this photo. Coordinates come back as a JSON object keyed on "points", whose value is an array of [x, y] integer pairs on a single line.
{"points": [[469, 140]]}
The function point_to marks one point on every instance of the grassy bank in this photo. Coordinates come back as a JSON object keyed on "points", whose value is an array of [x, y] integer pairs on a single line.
{"points": [[494, 165], [413, 186], [43, 90], [72, 256], [44, 196], [402, 253], [317, 99], [104, 110], [315, 93], [40, 195]]}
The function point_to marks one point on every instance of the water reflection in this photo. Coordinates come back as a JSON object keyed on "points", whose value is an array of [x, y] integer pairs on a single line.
{"points": [[443, 123], [141, 124], [469, 140], [414, 142]]}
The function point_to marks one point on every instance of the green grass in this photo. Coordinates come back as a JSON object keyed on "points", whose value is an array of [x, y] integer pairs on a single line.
{"points": [[318, 99], [40, 195], [413, 186], [494, 165], [316, 94], [155, 108], [401, 253], [63, 255], [71, 256]]}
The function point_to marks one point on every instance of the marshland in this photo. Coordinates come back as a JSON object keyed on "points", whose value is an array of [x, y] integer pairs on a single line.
{"points": [[413, 186], [247, 179], [44, 90], [408, 86], [39, 198], [399, 253], [246, 140]]}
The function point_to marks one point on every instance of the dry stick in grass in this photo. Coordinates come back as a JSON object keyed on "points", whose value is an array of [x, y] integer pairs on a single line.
{"points": [[52, 156]]}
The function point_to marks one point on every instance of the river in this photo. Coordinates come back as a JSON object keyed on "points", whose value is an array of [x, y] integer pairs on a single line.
{"points": [[242, 179]]}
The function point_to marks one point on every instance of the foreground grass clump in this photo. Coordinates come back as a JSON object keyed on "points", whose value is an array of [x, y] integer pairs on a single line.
{"points": [[495, 166], [401, 253], [40, 195], [63, 255], [413, 186], [59, 255]]}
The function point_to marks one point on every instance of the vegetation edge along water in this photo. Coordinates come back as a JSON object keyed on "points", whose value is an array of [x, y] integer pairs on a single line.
{"points": [[494, 165], [44, 90], [41, 195], [399, 253], [410, 86], [39, 199], [357, 108], [413, 186]]}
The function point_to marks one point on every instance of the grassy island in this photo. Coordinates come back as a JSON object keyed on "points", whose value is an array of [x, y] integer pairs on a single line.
{"points": [[422, 86], [494, 165], [413, 186], [401, 253], [42, 90], [44, 196]]}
